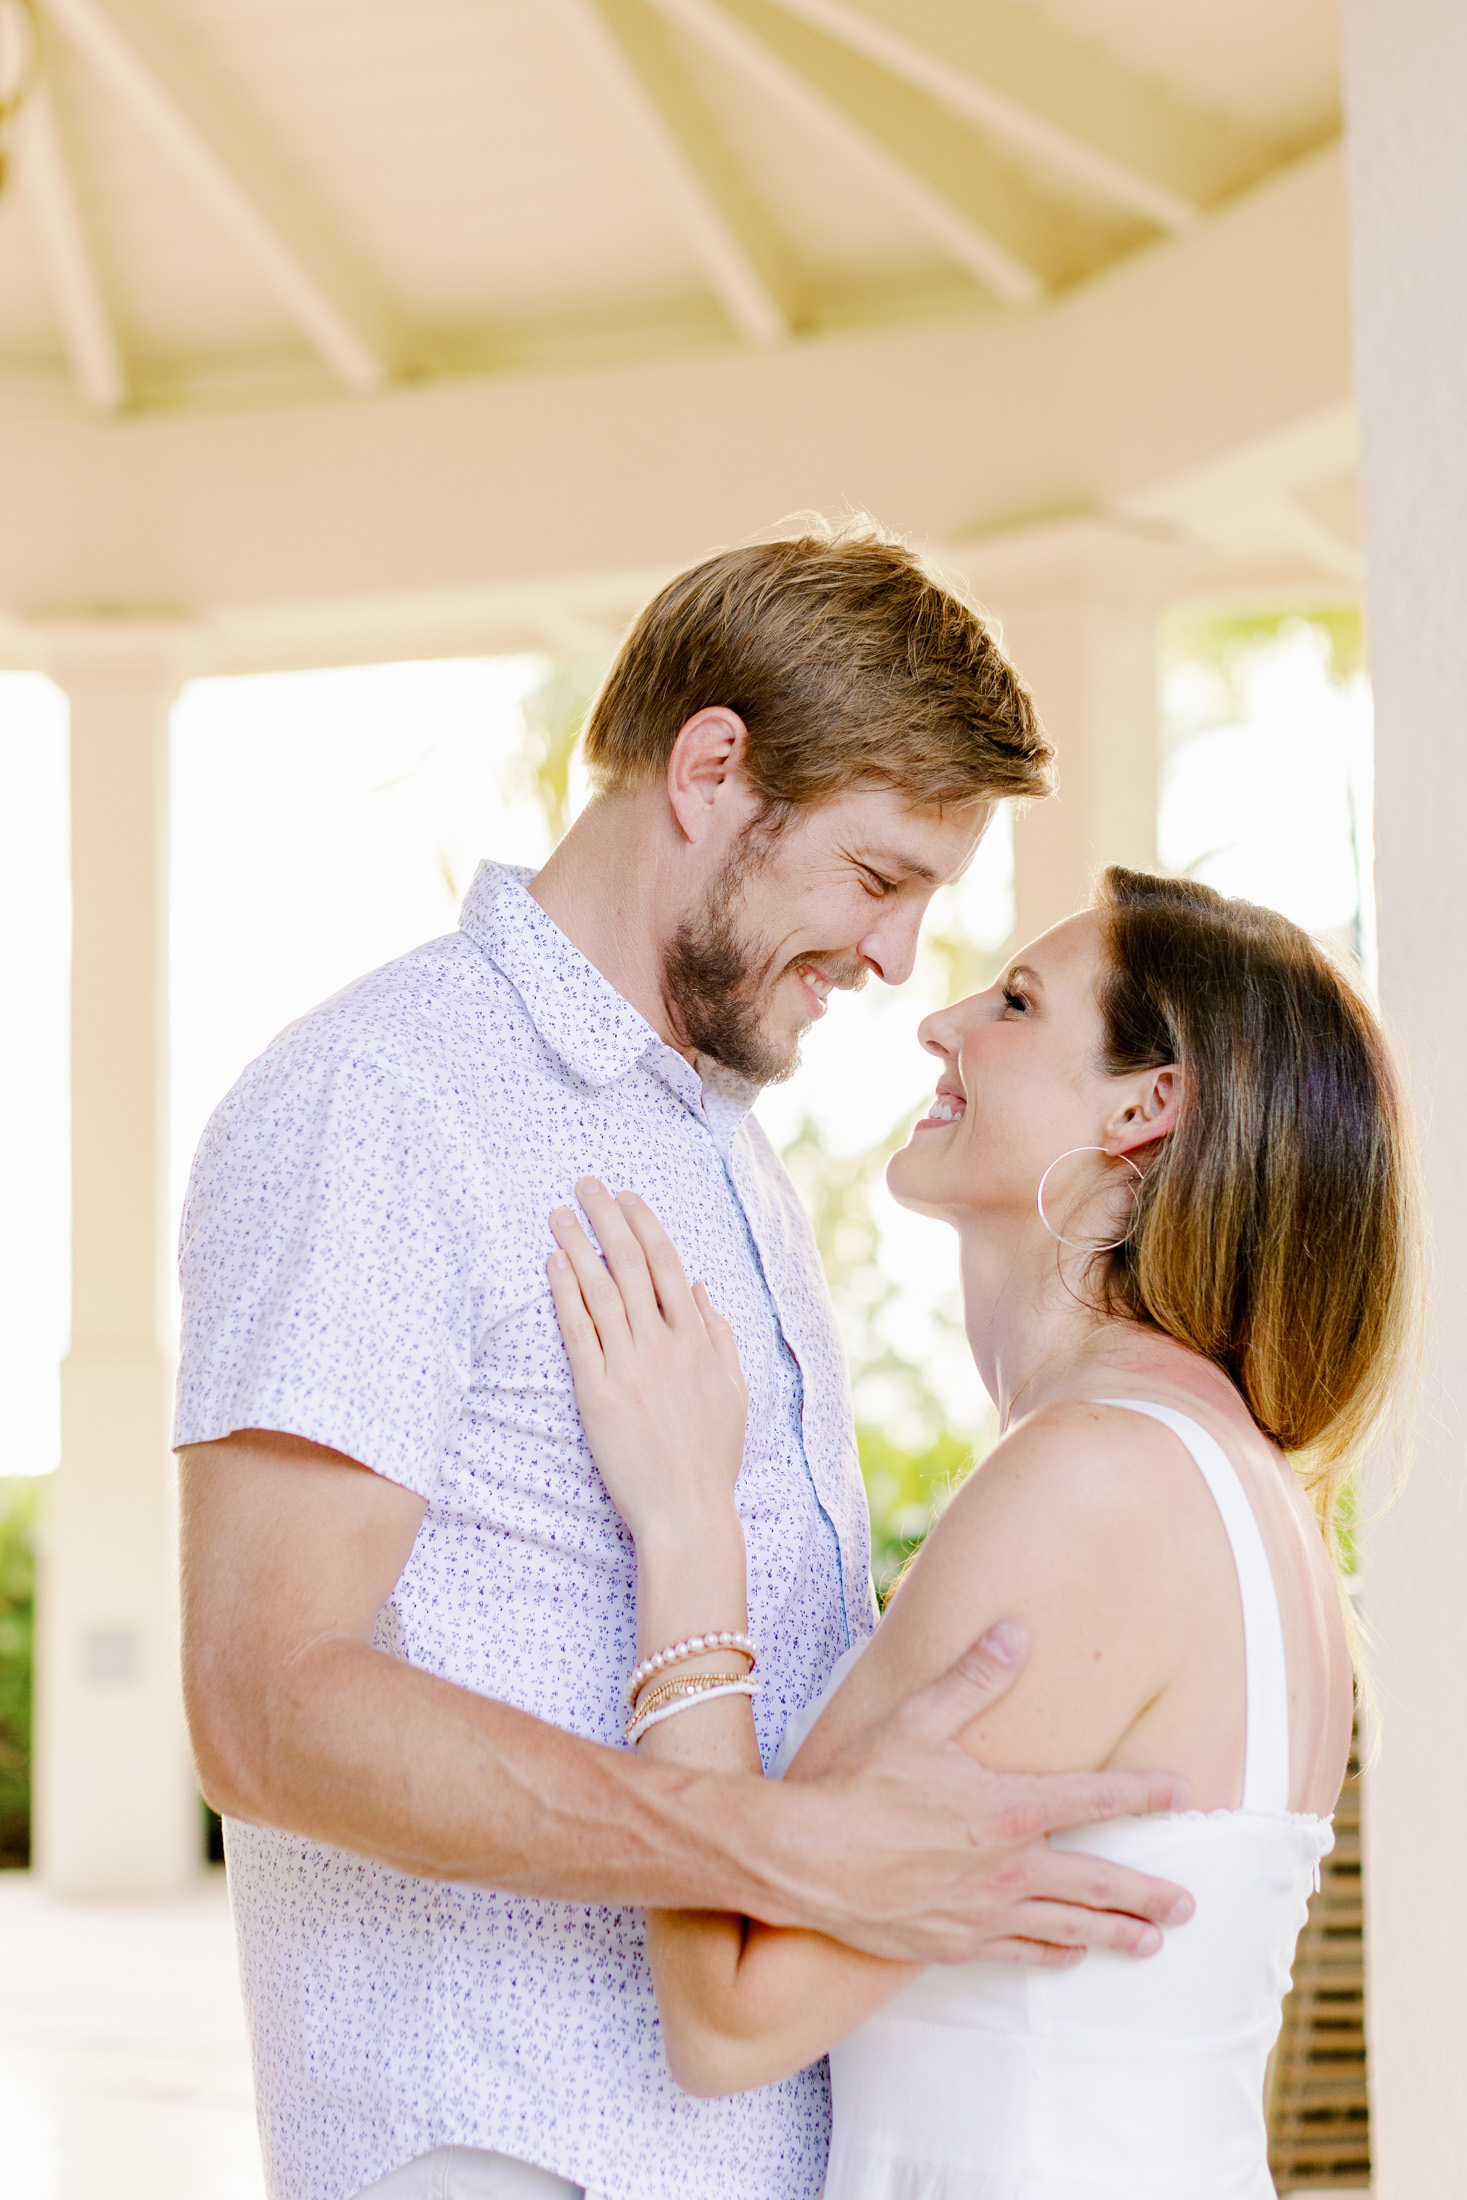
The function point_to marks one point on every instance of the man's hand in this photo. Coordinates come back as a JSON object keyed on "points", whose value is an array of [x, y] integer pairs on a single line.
{"points": [[924, 1856]]}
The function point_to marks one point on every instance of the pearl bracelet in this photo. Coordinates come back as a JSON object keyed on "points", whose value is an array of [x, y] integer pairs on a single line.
{"points": [[685, 1701], [696, 1646]]}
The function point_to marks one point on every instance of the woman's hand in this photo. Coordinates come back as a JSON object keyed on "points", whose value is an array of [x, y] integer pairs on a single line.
{"points": [[656, 1367]]}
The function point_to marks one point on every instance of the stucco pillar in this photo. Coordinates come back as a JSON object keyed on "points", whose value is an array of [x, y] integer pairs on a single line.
{"points": [[116, 1808], [1078, 604], [1406, 69]]}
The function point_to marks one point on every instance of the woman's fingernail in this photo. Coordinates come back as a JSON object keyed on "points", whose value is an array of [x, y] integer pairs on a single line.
{"points": [[626, 1199], [1149, 1942], [558, 1259], [562, 1219], [1182, 1909], [1004, 1642]]}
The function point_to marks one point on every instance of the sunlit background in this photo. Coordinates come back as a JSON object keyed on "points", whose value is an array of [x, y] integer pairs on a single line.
{"points": [[324, 822]]}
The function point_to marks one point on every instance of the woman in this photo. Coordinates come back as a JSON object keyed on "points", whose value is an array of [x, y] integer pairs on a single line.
{"points": [[1172, 1146]]}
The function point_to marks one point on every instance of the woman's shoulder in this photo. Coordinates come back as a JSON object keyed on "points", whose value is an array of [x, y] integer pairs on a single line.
{"points": [[1081, 1458]]}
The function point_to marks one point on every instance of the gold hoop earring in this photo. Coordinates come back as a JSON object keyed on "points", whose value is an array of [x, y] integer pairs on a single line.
{"points": [[1075, 1244]]}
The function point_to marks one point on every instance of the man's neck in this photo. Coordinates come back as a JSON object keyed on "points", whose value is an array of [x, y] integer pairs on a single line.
{"points": [[607, 889]]}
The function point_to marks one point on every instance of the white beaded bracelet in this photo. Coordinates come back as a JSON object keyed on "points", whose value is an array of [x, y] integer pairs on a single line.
{"points": [[696, 1646], [650, 1719]]}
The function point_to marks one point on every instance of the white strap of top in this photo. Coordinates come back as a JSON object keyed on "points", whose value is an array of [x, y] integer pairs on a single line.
{"points": [[1266, 1755]]}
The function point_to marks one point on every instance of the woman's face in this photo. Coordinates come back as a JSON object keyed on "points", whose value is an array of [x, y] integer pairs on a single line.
{"points": [[1022, 1082]]}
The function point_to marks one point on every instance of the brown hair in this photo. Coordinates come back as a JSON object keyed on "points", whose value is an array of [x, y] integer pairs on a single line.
{"points": [[1278, 1230], [849, 664]]}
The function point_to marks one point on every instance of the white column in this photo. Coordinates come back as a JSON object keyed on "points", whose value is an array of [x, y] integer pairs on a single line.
{"points": [[1406, 69], [1078, 604], [116, 1808]]}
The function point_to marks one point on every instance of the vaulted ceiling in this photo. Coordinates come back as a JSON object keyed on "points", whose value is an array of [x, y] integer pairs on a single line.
{"points": [[216, 203]]}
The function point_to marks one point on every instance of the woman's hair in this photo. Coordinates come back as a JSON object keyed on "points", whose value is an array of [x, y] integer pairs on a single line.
{"points": [[1278, 1229], [849, 663]]}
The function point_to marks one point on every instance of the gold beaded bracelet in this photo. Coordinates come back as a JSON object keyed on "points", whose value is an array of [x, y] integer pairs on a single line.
{"points": [[681, 1695], [685, 1684]]}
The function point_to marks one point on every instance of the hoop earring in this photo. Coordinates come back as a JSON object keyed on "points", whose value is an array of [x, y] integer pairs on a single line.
{"points": [[1075, 1243]]}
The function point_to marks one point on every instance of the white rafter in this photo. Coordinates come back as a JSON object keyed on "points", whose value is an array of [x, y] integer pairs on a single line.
{"points": [[192, 120], [896, 49], [965, 239], [1070, 106], [66, 255], [680, 138]]}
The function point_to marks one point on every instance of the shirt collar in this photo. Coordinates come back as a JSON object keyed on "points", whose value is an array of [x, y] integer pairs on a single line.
{"points": [[576, 1010]]}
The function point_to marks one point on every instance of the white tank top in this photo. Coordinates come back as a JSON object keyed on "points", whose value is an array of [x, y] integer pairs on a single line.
{"points": [[1121, 2079]]}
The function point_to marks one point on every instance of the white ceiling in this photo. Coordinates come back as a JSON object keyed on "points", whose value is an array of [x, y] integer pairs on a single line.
{"points": [[214, 202]]}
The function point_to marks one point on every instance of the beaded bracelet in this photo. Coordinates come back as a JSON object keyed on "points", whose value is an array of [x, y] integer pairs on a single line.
{"points": [[685, 1702], [689, 1684], [695, 1646]]}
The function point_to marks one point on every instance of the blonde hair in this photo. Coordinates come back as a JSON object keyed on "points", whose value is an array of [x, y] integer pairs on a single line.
{"points": [[1278, 1232], [849, 664]]}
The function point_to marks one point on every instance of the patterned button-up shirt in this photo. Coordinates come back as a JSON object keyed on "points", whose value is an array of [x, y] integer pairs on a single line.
{"points": [[363, 1264]]}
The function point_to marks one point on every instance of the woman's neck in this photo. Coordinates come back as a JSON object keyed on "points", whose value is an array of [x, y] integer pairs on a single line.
{"points": [[1034, 1330], [1037, 1335]]}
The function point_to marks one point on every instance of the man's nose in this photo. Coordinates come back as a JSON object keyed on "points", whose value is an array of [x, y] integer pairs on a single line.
{"points": [[892, 952]]}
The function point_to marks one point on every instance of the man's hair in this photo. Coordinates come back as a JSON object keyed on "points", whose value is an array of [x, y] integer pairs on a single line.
{"points": [[849, 664]]}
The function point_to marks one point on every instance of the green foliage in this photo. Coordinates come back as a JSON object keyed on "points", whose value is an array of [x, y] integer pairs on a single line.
{"points": [[910, 1458], [1224, 644], [906, 1491], [554, 713], [17, 1622]]}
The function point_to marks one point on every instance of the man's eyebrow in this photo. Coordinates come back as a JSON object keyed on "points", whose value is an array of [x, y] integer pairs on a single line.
{"points": [[891, 859]]}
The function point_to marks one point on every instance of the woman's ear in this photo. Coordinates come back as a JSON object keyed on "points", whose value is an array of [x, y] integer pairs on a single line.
{"points": [[1151, 1110]]}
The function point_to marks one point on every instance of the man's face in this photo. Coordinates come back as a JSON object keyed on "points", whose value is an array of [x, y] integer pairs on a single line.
{"points": [[795, 912]]}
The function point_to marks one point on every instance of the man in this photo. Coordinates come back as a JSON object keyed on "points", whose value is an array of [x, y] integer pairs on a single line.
{"points": [[409, 1605]]}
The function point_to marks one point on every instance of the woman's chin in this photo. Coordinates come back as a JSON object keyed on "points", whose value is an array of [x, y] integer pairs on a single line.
{"points": [[911, 1179]]}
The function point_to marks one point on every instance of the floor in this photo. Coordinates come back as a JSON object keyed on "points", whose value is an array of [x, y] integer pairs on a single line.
{"points": [[124, 2070]]}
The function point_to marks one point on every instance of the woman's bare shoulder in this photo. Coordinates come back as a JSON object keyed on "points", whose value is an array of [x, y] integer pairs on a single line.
{"points": [[1077, 1525]]}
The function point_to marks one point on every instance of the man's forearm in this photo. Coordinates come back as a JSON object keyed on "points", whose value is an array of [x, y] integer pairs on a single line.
{"points": [[369, 1754]]}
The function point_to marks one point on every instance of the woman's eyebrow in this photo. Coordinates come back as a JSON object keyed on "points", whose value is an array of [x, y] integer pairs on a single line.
{"points": [[1023, 970]]}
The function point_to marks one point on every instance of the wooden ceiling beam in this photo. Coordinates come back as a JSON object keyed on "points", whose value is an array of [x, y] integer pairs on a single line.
{"points": [[1066, 104], [67, 259], [680, 138], [192, 120], [898, 137]]}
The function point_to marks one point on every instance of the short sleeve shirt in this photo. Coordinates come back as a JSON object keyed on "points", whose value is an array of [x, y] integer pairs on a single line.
{"points": [[363, 1264]]}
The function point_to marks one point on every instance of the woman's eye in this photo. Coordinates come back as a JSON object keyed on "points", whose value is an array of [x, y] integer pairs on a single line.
{"points": [[1011, 999]]}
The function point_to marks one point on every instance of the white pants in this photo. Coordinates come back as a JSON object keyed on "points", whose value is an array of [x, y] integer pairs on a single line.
{"points": [[468, 2173]]}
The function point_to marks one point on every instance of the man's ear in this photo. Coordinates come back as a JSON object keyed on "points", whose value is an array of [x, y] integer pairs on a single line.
{"points": [[706, 768], [1150, 1111]]}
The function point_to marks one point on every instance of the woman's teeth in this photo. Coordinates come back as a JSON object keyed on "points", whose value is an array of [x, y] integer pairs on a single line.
{"points": [[945, 1109]]}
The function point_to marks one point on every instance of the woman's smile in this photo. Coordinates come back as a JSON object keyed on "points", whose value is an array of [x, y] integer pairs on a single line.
{"points": [[948, 1108]]}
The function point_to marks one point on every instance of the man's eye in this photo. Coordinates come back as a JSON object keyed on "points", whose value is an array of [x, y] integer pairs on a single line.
{"points": [[874, 883]]}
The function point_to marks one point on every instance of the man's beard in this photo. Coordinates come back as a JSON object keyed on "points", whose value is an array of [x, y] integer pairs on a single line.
{"points": [[717, 983]]}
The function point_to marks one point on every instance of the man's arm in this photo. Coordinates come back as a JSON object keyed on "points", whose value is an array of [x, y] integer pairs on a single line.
{"points": [[905, 1848]]}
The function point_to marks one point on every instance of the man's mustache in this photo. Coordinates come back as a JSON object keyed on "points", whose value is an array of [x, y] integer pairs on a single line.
{"points": [[846, 974]]}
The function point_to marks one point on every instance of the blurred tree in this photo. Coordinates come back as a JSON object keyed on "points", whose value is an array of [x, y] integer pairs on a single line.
{"points": [[911, 1458], [554, 713], [17, 1620]]}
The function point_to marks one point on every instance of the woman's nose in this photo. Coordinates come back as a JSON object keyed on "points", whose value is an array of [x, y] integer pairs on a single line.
{"points": [[944, 1031], [937, 1035]]}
